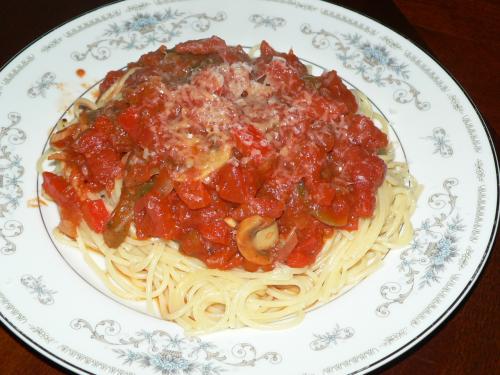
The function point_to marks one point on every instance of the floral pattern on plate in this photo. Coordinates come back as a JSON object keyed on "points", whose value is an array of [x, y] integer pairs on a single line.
{"points": [[11, 173], [373, 62], [173, 354], [147, 30]]}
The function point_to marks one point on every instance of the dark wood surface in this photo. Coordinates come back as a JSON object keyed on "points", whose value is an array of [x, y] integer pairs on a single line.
{"points": [[465, 37]]}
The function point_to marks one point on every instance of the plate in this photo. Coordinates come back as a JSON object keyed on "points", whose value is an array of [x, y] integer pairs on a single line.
{"points": [[443, 137]]}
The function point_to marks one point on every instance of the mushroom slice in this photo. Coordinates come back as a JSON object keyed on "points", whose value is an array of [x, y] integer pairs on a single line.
{"points": [[254, 236]]}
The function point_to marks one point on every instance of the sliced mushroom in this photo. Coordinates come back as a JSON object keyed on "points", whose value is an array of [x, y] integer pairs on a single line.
{"points": [[254, 236], [266, 238]]}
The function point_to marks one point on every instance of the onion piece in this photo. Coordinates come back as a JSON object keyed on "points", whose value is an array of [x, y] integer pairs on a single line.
{"points": [[286, 245], [57, 139]]}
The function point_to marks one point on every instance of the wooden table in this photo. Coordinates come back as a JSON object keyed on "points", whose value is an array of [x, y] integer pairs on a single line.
{"points": [[465, 37]]}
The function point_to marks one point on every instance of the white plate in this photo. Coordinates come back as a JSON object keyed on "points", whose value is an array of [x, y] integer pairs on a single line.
{"points": [[443, 136]]}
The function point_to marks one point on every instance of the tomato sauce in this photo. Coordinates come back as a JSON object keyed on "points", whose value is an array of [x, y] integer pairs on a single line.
{"points": [[203, 138]]}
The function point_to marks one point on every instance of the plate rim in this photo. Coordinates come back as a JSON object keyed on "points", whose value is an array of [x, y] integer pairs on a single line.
{"points": [[399, 353]]}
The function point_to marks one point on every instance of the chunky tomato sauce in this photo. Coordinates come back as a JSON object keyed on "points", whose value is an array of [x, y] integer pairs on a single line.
{"points": [[244, 162]]}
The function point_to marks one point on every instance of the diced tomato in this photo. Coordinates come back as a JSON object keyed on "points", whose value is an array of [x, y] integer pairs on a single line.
{"points": [[110, 78], [129, 120], [309, 245], [210, 222], [262, 206], [138, 125], [234, 54], [365, 200], [104, 167], [298, 259], [251, 142], [284, 78], [378, 170], [321, 193], [184, 216], [216, 231], [363, 132], [191, 244], [362, 167], [66, 198], [266, 51], [322, 133], [193, 193], [60, 191], [235, 261], [138, 170], [279, 187], [352, 223], [148, 96], [213, 45], [309, 160], [326, 109], [296, 219], [201, 46], [153, 217], [95, 214], [337, 90], [264, 167], [75, 176], [220, 256], [102, 162], [151, 59], [235, 184], [95, 138], [103, 125]]}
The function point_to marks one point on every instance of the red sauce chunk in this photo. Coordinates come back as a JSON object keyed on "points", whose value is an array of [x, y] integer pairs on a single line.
{"points": [[245, 162]]}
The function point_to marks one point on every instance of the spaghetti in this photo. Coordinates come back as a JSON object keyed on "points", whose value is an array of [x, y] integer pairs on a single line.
{"points": [[184, 225]]}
